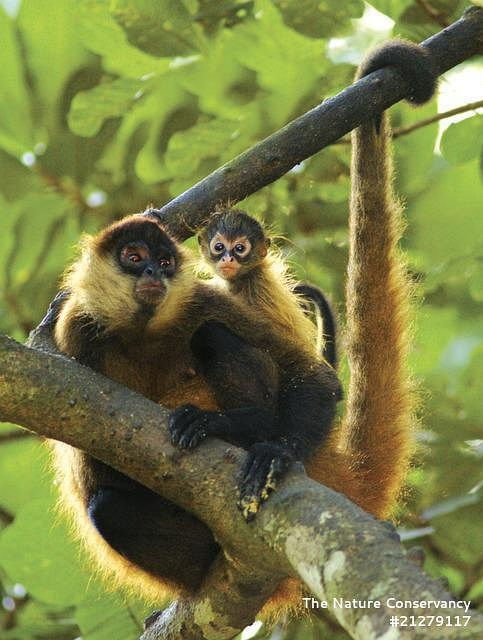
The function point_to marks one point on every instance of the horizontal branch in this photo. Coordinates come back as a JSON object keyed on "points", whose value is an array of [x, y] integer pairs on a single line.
{"points": [[333, 118], [304, 530]]}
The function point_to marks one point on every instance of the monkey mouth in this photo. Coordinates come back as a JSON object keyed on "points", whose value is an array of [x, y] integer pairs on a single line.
{"points": [[228, 271], [150, 292]]}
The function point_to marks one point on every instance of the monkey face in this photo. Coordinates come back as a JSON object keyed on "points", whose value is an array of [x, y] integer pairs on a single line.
{"points": [[230, 255], [151, 266], [233, 243], [145, 256]]}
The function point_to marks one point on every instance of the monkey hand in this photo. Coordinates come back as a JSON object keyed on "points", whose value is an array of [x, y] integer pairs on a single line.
{"points": [[189, 425], [265, 465], [55, 306]]}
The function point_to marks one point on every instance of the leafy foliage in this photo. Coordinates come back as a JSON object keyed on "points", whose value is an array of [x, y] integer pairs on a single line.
{"points": [[109, 105]]}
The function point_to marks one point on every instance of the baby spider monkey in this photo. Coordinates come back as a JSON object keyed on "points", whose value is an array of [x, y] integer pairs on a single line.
{"points": [[236, 248]]}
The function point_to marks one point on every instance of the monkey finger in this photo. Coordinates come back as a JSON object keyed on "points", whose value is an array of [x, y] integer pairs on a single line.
{"points": [[254, 483], [277, 470], [249, 505], [180, 420], [254, 464], [194, 434]]}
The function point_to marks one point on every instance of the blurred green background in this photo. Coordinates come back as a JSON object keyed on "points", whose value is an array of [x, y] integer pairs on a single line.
{"points": [[110, 105]]}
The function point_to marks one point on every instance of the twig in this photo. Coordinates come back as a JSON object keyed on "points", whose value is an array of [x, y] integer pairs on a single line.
{"points": [[433, 13], [12, 436], [402, 131]]}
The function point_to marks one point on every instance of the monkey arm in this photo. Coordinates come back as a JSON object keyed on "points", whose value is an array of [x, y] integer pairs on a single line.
{"points": [[244, 380], [242, 427], [279, 421], [50, 318]]}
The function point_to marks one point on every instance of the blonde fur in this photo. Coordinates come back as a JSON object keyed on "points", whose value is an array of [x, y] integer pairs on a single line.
{"points": [[267, 293]]}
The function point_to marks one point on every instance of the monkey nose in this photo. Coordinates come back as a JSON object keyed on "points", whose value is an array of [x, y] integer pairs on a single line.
{"points": [[227, 258]]}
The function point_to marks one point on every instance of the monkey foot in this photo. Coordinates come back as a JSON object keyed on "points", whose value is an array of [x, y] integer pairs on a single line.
{"points": [[265, 465]]}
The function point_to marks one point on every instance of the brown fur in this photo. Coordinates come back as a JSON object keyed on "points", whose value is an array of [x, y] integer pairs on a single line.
{"points": [[380, 407]]}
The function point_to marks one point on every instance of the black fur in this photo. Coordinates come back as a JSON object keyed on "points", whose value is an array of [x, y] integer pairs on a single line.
{"points": [[234, 223], [313, 293], [411, 61], [153, 533], [50, 318], [289, 413]]}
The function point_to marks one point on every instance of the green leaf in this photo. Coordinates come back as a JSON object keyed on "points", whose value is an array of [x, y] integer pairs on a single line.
{"points": [[23, 472], [89, 109], [446, 218], [218, 79], [186, 149], [476, 281], [287, 63], [101, 34], [48, 564], [319, 19], [16, 135], [159, 27], [462, 141], [391, 8], [53, 49], [107, 618]]}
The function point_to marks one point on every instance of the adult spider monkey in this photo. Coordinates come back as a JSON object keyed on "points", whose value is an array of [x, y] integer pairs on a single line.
{"points": [[236, 248], [136, 313], [366, 460]]}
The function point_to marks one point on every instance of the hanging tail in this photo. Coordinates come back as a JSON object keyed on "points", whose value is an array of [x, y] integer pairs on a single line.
{"points": [[381, 399]]}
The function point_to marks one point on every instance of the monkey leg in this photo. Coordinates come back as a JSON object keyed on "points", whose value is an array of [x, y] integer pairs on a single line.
{"points": [[154, 534]]}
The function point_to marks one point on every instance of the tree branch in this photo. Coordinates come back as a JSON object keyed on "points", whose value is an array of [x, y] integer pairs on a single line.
{"points": [[273, 157], [304, 530]]}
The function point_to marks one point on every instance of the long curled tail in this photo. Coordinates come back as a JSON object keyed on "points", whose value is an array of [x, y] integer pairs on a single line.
{"points": [[380, 409]]}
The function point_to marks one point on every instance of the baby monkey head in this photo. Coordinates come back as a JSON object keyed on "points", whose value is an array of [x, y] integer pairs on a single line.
{"points": [[144, 254], [233, 243]]}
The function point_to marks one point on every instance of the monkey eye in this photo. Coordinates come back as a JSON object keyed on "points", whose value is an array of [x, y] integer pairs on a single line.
{"points": [[164, 262], [239, 248], [219, 247], [134, 253], [134, 257]]}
